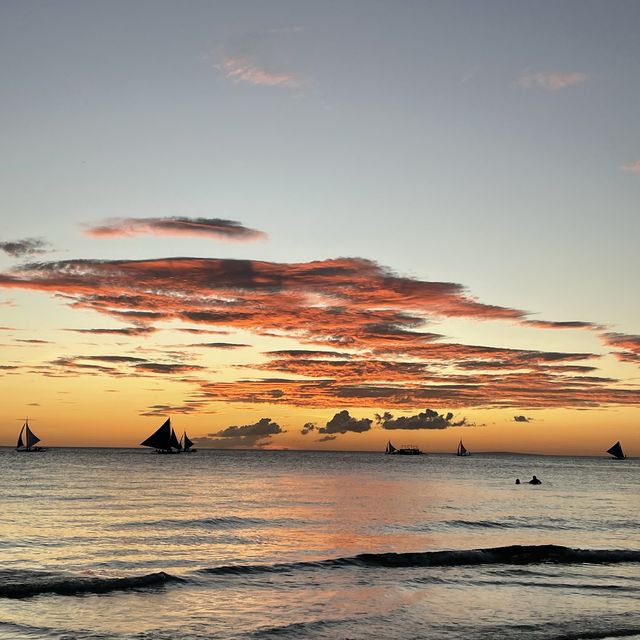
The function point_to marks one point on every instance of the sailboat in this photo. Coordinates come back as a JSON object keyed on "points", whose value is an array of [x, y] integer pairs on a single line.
{"points": [[462, 451], [404, 450], [616, 451], [28, 444], [186, 444], [164, 439]]}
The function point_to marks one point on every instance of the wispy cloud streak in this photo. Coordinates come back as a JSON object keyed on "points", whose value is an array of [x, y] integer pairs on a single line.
{"points": [[175, 226], [241, 69], [551, 80]]}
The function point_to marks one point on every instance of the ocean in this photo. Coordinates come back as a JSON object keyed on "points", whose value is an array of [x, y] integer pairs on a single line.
{"points": [[125, 544]]}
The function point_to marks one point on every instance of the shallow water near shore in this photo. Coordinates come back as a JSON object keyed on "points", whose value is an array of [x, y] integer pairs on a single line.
{"points": [[126, 544]]}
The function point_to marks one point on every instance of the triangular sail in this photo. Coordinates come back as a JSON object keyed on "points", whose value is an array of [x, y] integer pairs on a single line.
{"points": [[31, 438], [186, 443], [461, 449], [20, 444], [616, 451], [173, 442], [390, 448], [161, 438]]}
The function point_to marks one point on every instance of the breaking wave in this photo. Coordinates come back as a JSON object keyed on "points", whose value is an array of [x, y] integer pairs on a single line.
{"points": [[37, 584], [515, 554]]}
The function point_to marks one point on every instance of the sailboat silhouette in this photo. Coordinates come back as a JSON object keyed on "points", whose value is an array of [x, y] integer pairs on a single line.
{"points": [[186, 444], [164, 439], [462, 451], [616, 451], [28, 444]]}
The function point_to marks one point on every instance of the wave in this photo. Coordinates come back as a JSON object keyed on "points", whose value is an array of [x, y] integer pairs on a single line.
{"points": [[37, 584], [19, 584], [521, 523], [514, 554], [228, 522]]}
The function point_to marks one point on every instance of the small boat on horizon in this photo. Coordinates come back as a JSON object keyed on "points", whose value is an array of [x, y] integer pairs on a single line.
{"points": [[403, 450], [462, 451], [186, 445], [164, 439], [28, 444], [616, 451]]}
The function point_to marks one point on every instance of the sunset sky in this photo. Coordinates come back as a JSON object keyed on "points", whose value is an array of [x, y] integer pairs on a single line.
{"points": [[321, 225]]}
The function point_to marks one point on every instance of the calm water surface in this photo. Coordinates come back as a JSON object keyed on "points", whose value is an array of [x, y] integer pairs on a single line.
{"points": [[126, 544]]}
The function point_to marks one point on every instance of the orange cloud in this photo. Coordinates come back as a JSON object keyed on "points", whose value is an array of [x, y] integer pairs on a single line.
{"points": [[362, 322], [629, 346]]}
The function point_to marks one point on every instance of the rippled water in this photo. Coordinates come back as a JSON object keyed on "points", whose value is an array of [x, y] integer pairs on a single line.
{"points": [[126, 544]]}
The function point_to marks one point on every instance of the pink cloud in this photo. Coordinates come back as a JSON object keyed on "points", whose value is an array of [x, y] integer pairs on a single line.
{"points": [[551, 80], [632, 167], [240, 69]]}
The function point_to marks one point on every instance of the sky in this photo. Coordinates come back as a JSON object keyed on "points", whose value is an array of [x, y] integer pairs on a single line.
{"points": [[311, 225]]}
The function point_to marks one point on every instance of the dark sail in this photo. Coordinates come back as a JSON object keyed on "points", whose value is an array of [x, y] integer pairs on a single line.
{"points": [[462, 451], [173, 442], [160, 439], [187, 444], [31, 438], [616, 451], [20, 444], [390, 448]]}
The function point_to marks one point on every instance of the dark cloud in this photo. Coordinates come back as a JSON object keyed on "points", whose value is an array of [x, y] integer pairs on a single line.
{"points": [[342, 422], [258, 435], [110, 358], [202, 331], [571, 324], [33, 341], [162, 410], [25, 248], [167, 368], [307, 428], [326, 438], [522, 419], [176, 226], [124, 331], [428, 419], [218, 345], [122, 366]]}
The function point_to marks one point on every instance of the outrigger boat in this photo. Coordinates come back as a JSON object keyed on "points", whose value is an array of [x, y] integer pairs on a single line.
{"points": [[186, 444], [28, 444], [164, 439], [616, 451], [462, 451], [404, 450]]}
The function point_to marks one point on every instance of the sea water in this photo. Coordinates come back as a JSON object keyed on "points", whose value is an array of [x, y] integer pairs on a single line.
{"points": [[125, 544]]}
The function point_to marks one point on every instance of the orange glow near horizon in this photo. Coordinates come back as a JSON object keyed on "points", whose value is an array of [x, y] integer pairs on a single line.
{"points": [[244, 354]]}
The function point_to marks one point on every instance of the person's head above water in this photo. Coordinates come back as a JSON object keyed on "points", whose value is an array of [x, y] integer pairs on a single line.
{"points": [[517, 480]]}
